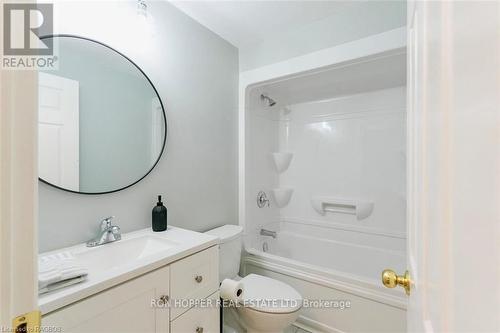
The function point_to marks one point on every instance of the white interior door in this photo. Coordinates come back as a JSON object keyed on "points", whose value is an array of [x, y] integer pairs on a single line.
{"points": [[58, 131], [453, 166]]}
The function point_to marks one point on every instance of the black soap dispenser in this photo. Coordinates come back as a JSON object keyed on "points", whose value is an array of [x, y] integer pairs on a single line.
{"points": [[159, 216]]}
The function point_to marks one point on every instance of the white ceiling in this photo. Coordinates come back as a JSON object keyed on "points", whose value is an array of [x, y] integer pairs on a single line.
{"points": [[246, 22]]}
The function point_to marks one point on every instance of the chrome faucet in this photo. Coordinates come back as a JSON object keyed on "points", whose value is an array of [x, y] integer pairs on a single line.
{"points": [[265, 232], [109, 233]]}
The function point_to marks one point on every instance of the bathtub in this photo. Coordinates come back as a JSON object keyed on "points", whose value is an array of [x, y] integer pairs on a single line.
{"points": [[298, 259]]}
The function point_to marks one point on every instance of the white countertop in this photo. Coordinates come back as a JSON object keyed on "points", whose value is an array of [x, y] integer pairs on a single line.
{"points": [[182, 244]]}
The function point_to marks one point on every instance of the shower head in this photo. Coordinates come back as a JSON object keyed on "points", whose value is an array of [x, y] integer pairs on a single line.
{"points": [[268, 100]]}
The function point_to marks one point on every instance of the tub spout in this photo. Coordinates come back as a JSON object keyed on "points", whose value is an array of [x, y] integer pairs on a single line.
{"points": [[270, 233]]}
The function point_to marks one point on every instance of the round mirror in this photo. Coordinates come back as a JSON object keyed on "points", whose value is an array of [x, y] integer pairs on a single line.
{"points": [[102, 125]]}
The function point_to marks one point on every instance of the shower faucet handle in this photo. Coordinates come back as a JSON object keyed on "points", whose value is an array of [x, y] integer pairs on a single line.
{"points": [[262, 199]]}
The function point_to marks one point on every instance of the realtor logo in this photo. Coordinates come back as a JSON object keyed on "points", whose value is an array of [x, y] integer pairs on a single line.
{"points": [[23, 25]]}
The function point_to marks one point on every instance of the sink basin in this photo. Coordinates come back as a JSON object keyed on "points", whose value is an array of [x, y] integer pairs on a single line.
{"points": [[123, 252], [137, 253]]}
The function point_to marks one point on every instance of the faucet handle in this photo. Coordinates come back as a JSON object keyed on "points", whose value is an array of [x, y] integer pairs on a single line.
{"points": [[115, 231], [106, 223]]}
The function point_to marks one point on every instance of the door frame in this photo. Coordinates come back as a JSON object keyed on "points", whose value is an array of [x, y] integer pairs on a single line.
{"points": [[18, 194]]}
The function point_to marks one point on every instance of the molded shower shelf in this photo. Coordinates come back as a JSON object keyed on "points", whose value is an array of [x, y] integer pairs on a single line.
{"points": [[323, 205], [282, 196], [282, 161]]}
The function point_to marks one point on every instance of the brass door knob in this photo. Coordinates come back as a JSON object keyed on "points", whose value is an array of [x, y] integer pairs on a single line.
{"points": [[390, 279]]}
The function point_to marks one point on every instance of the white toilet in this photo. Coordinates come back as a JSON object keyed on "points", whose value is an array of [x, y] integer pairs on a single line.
{"points": [[281, 303]]}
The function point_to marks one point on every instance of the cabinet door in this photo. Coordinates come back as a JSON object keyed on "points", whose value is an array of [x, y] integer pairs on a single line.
{"points": [[204, 319], [128, 307]]}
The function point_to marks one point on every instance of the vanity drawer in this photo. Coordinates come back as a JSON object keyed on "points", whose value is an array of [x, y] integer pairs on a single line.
{"points": [[199, 319], [194, 277]]}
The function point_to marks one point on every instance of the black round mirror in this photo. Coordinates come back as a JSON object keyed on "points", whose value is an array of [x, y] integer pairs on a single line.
{"points": [[102, 126]]}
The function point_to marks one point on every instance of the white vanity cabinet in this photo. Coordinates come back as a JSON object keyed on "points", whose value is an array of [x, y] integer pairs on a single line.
{"points": [[129, 307]]}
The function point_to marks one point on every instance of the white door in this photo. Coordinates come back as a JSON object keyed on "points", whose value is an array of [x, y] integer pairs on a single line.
{"points": [[453, 166], [58, 131]]}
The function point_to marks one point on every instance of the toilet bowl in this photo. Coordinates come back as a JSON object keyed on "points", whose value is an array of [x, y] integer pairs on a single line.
{"points": [[267, 305], [261, 322]]}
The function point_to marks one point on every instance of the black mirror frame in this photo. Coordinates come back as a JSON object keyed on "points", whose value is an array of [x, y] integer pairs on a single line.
{"points": [[161, 104]]}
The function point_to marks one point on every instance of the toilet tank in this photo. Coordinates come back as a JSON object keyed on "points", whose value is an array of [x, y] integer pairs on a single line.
{"points": [[230, 243]]}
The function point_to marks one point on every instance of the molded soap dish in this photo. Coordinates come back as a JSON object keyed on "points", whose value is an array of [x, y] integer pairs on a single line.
{"points": [[282, 161], [282, 196], [361, 208]]}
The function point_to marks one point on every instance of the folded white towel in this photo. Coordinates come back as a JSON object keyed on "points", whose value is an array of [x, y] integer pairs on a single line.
{"points": [[61, 284], [53, 269]]}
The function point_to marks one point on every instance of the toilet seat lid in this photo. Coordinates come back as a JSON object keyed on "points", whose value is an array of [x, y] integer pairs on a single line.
{"points": [[264, 294]]}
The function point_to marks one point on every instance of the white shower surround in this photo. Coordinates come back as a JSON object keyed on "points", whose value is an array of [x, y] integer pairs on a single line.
{"points": [[304, 235]]}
